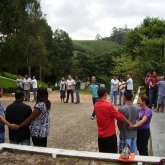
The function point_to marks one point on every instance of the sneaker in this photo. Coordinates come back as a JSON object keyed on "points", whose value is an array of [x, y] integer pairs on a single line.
{"points": [[92, 118]]}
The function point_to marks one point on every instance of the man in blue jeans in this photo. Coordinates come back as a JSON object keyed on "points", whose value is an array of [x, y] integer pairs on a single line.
{"points": [[16, 113], [114, 90], [94, 86]]}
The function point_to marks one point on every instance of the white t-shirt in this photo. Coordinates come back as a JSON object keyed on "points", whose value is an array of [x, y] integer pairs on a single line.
{"points": [[114, 84], [122, 87], [19, 82], [34, 83], [27, 83], [70, 82], [129, 84], [62, 85]]}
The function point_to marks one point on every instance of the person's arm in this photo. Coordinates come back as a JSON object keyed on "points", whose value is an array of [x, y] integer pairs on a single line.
{"points": [[144, 119], [11, 126], [86, 86], [34, 115], [119, 124]]}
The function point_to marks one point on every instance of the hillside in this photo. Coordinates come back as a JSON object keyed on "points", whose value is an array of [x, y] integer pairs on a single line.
{"points": [[94, 46]]}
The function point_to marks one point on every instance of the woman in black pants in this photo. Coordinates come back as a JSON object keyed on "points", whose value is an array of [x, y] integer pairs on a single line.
{"points": [[143, 126]]}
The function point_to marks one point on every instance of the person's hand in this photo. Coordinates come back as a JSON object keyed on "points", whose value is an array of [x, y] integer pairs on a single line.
{"points": [[14, 126], [131, 126]]}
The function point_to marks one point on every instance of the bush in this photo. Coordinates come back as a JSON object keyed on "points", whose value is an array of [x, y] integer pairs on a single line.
{"points": [[9, 90], [54, 88]]}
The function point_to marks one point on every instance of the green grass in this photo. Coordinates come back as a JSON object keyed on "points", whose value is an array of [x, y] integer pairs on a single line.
{"points": [[82, 91], [4, 83]]}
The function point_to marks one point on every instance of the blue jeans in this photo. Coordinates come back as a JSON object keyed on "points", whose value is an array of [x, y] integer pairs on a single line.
{"points": [[153, 97], [70, 92], [35, 93], [121, 98], [113, 96], [23, 142], [94, 102], [77, 96], [2, 134], [132, 144]]}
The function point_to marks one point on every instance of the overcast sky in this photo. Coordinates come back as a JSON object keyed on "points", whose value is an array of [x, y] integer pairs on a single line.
{"points": [[84, 19]]}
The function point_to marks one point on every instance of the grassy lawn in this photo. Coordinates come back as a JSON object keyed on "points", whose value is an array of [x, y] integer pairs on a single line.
{"points": [[82, 91], [7, 83]]}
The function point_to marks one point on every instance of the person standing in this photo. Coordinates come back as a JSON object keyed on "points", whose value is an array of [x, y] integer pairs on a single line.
{"points": [[114, 90], [105, 115], [94, 86], [39, 119], [27, 83], [130, 112], [153, 90], [34, 85], [62, 89], [3, 121], [70, 85], [161, 95], [147, 80], [16, 113], [121, 91], [143, 126], [129, 83], [19, 82], [77, 87]]}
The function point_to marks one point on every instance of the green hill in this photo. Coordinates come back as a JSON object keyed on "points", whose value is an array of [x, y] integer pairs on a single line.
{"points": [[95, 46]]}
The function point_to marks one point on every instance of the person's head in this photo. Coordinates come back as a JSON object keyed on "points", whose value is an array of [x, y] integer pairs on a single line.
{"points": [[154, 73], [102, 93], [19, 76], [144, 101], [128, 76], [42, 96], [77, 78], [93, 79], [19, 95], [121, 80], [69, 77], [128, 95], [114, 77], [63, 79], [148, 74], [34, 77], [26, 76], [1, 92]]}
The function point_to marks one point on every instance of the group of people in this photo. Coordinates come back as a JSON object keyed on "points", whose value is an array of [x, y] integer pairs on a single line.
{"points": [[25, 85], [118, 87], [22, 116], [155, 90], [70, 85], [133, 122]]}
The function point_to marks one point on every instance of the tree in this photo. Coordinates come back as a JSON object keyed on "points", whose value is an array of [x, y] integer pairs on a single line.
{"points": [[61, 59]]}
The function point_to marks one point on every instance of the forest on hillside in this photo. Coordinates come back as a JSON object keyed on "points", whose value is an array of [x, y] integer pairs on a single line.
{"points": [[29, 45]]}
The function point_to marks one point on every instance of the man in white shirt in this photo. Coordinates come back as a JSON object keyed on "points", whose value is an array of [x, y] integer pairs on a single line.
{"points": [[27, 83], [114, 90], [34, 85], [129, 83], [121, 91], [62, 89], [19, 82], [70, 86]]}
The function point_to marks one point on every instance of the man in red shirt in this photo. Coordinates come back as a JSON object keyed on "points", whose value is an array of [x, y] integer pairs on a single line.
{"points": [[105, 115], [153, 90]]}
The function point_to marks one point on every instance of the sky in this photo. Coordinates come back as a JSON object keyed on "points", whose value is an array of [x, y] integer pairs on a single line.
{"points": [[84, 19]]}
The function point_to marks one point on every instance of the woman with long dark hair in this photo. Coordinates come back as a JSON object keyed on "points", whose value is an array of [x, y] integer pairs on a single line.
{"points": [[40, 119], [143, 126]]}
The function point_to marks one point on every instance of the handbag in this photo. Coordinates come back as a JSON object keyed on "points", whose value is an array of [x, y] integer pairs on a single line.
{"points": [[125, 154]]}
